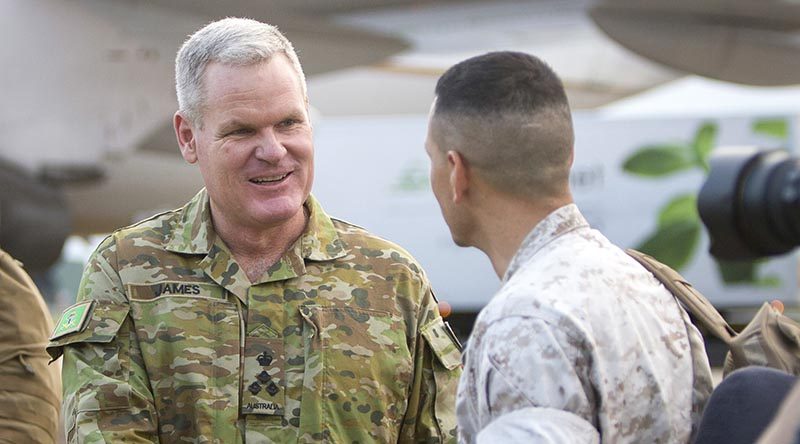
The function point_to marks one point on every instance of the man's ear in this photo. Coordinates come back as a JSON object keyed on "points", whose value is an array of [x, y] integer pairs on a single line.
{"points": [[459, 175], [186, 137]]}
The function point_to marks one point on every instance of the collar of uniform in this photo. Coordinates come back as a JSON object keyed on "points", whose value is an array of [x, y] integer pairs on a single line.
{"points": [[555, 225], [320, 241], [193, 233]]}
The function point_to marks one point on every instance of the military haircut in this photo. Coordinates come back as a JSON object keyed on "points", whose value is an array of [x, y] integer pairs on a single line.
{"points": [[230, 41], [508, 115]]}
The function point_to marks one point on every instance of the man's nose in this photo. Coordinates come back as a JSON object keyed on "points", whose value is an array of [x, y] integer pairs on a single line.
{"points": [[270, 148]]}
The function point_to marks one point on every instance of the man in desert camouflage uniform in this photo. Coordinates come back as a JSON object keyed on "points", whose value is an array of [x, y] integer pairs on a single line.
{"points": [[580, 344], [250, 314]]}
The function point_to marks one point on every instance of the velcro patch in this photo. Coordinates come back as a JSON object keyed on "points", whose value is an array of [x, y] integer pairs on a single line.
{"points": [[73, 320]]}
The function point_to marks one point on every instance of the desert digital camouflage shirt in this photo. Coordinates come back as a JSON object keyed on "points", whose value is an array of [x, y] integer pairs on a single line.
{"points": [[581, 345], [340, 341]]}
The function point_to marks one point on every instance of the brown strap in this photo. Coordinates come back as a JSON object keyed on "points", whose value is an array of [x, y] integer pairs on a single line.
{"points": [[692, 300]]}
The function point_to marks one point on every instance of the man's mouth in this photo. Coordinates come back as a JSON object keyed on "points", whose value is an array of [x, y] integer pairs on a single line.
{"points": [[269, 179]]}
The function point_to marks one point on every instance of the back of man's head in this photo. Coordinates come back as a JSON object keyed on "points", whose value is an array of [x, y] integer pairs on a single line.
{"points": [[508, 116], [230, 41]]}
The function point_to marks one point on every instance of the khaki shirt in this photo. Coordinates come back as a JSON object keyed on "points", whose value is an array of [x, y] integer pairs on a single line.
{"points": [[340, 341], [581, 344], [30, 391]]}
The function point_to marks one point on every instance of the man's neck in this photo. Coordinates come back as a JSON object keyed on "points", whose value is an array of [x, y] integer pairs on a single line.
{"points": [[256, 249], [505, 222]]}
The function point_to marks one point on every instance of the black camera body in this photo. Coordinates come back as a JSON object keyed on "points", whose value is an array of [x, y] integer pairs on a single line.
{"points": [[750, 203]]}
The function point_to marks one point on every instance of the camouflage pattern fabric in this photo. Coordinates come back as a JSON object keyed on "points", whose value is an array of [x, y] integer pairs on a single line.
{"points": [[581, 344], [30, 391], [340, 341]]}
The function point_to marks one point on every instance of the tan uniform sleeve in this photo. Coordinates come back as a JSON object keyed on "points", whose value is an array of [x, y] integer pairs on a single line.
{"points": [[106, 389], [29, 389], [437, 368]]}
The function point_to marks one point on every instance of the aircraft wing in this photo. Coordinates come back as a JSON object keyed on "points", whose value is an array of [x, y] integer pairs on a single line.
{"points": [[740, 41], [89, 96]]}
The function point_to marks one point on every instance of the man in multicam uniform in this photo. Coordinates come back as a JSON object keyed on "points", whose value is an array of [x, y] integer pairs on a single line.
{"points": [[250, 315], [580, 344]]}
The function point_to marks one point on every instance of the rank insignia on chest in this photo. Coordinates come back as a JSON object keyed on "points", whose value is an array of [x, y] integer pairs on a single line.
{"points": [[264, 359]]}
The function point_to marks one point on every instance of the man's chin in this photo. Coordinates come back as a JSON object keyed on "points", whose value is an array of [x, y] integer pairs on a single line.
{"points": [[278, 213], [460, 241]]}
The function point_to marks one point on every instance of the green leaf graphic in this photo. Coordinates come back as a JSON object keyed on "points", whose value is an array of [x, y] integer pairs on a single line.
{"points": [[680, 208], [659, 160], [745, 272], [778, 128], [703, 144], [414, 177], [674, 243]]}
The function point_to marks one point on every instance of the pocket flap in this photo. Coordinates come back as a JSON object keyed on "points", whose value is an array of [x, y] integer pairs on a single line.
{"points": [[88, 321], [443, 343]]}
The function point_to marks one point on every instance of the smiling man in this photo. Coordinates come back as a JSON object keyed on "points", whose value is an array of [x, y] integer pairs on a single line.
{"points": [[250, 314]]}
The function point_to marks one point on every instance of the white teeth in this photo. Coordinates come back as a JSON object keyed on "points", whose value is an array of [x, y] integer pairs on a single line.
{"points": [[269, 179]]}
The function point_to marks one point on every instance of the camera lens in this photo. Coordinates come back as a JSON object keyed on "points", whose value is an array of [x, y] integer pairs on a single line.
{"points": [[750, 203]]}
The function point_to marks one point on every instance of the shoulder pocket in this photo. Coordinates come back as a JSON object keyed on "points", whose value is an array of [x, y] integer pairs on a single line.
{"points": [[447, 350], [100, 324], [443, 342]]}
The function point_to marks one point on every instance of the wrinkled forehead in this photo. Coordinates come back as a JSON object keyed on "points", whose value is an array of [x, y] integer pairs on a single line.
{"points": [[279, 57], [276, 76]]}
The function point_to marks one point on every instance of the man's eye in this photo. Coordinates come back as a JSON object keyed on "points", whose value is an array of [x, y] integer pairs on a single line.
{"points": [[288, 123], [239, 132]]}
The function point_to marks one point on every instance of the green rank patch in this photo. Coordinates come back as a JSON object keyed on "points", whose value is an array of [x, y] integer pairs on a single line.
{"points": [[73, 320]]}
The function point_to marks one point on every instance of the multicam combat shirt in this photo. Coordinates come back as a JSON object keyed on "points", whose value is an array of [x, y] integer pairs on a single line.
{"points": [[583, 345], [340, 341]]}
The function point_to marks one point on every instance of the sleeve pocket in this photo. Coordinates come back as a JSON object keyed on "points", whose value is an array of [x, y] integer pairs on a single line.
{"points": [[102, 325], [102, 386], [445, 347]]}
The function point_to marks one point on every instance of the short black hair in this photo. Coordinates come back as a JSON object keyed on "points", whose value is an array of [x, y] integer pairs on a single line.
{"points": [[499, 82], [508, 115]]}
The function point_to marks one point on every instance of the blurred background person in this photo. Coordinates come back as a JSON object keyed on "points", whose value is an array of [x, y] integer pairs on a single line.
{"points": [[30, 389]]}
